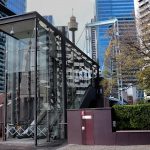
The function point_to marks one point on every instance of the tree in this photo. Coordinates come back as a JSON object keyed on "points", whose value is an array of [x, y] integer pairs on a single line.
{"points": [[134, 55], [144, 79], [108, 85]]}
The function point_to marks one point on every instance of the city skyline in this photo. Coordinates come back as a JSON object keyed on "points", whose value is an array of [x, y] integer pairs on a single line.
{"points": [[62, 11], [105, 10]]}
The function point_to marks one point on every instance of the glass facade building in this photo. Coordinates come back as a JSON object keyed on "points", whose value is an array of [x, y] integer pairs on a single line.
{"points": [[109, 9], [46, 74], [49, 19], [10, 7], [3, 2], [17, 6], [123, 12]]}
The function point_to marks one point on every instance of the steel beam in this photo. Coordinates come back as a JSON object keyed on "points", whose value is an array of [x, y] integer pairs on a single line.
{"points": [[33, 15], [101, 23], [5, 106], [35, 86], [64, 80]]}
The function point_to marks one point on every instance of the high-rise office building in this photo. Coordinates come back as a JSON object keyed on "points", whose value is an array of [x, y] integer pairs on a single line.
{"points": [[91, 47], [49, 18], [17, 6], [123, 10], [142, 12], [8, 8], [143, 8], [4, 11], [3, 2]]}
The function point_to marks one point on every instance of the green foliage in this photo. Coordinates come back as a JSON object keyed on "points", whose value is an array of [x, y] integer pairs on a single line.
{"points": [[141, 101], [133, 58], [144, 78], [132, 117], [107, 86]]}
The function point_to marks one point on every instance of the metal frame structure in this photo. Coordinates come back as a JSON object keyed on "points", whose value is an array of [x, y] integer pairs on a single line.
{"points": [[117, 49], [6, 10], [97, 24], [67, 50]]}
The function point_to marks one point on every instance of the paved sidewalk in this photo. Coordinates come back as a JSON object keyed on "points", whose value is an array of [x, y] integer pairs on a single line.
{"points": [[83, 147], [28, 145]]}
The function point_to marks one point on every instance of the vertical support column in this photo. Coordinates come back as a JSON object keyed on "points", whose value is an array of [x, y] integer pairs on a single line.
{"points": [[18, 100], [35, 88], [64, 80], [18, 87], [13, 96], [5, 105], [97, 74], [13, 100], [29, 81], [91, 69], [49, 77], [97, 84], [73, 36], [100, 96], [6, 98]]}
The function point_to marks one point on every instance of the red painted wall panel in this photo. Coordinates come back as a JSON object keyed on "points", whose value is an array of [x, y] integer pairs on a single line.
{"points": [[88, 133], [98, 130]]}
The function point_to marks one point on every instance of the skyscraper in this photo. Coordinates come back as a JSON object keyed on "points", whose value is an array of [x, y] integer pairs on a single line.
{"points": [[17, 6], [3, 2], [49, 18], [142, 12], [109, 9], [4, 11], [143, 6], [8, 8], [123, 12]]}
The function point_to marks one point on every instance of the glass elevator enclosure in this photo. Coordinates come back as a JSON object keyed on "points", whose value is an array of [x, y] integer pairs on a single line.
{"points": [[45, 74]]}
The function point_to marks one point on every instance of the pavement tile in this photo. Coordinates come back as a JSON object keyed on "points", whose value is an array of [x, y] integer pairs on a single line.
{"points": [[22, 145], [98, 147]]}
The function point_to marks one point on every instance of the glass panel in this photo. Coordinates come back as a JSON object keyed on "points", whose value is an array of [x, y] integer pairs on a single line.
{"points": [[49, 86], [80, 76], [20, 52], [20, 71]]}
